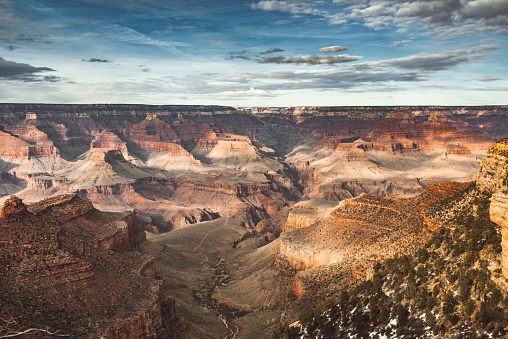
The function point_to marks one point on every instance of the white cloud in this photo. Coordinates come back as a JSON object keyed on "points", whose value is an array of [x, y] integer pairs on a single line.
{"points": [[375, 10], [489, 78], [333, 49], [299, 8], [247, 93], [310, 59]]}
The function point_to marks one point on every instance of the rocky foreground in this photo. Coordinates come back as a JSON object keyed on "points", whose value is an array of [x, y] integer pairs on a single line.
{"points": [[69, 270]]}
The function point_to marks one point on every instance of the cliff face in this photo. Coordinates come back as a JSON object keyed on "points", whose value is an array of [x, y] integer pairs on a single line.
{"points": [[493, 178], [363, 228], [305, 213], [493, 172], [403, 153], [66, 267]]}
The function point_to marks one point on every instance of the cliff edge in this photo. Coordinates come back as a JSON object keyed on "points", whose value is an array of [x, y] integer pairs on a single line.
{"points": [[493, 179], [69, 269]]}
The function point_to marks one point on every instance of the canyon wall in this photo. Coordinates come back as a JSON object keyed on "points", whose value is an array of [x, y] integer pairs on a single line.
{"points": [[493, 179], [68, 267]]}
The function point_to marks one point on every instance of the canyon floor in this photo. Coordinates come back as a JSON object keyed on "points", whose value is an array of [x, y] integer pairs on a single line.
{"points": [[252, 215]]}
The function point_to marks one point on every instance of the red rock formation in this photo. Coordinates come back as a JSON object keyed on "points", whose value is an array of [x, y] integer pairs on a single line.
{"points": [[364, 228], [64, 268]]}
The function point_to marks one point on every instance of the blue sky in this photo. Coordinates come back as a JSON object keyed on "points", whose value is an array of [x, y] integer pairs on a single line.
{"points": [[255, 53]]}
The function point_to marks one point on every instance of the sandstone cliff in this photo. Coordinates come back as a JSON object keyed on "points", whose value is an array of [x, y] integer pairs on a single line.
{"points": [[493, 179], [67, 268], [363, 228]]}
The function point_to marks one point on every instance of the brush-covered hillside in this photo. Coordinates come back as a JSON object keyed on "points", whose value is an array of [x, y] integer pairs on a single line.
{"points": [[449, 288]]}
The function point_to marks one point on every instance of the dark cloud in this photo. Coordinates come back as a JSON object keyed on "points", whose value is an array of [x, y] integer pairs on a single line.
{"points": [[270, 51], [11, 47], [488, 13], [433, 11], [439, 61], [96, 60], [9, 37], [24, 72], [232, 57], [310, 59], [492, 11], [238, 55]]}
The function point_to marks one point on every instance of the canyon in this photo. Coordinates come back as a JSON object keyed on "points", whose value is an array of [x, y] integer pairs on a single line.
{"points": [[252, 215]]}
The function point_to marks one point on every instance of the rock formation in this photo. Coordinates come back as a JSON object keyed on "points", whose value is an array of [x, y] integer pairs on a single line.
{"points": [[176, 165], [306, 213], [66, 268], [493, 178], [364, 227]]}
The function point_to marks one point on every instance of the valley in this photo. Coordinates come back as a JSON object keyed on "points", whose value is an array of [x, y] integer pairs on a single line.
{"points": [[252, 215]]}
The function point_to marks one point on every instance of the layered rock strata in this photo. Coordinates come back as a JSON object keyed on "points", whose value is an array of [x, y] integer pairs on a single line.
{"points": [[493, 178], [67, 268], [364, 228]]}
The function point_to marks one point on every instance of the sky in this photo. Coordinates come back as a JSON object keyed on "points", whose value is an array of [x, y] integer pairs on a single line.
{"points": [[255, 53]]}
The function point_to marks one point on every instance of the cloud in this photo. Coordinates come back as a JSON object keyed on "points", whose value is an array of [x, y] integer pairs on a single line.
{"points": [[310, 59], [11, 47], [24, 72], [246, 93], [232, 57], [97, 60], [362, 77], [375, 10], [433, 11], [16, 28], [299, 8], [238, 55], [492, 11], [126, 34], [439, 61], [401, 43], [489, 78], [214, 42], [333, 49], [167, 31], [93, 35], [274, 50]]}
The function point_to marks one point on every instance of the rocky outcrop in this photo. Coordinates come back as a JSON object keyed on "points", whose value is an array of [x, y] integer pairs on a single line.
{"points": [[499, 215], [305, 213], [493, 172], [363, 228], [66, 267], [14, 208], [493, 179]]}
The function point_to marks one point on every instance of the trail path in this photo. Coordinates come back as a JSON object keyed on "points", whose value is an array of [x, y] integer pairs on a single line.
{"points": [[206, 235]]}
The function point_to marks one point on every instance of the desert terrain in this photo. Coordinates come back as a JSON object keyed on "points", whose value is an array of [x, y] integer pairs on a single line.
{"points": [[219, 222]]}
